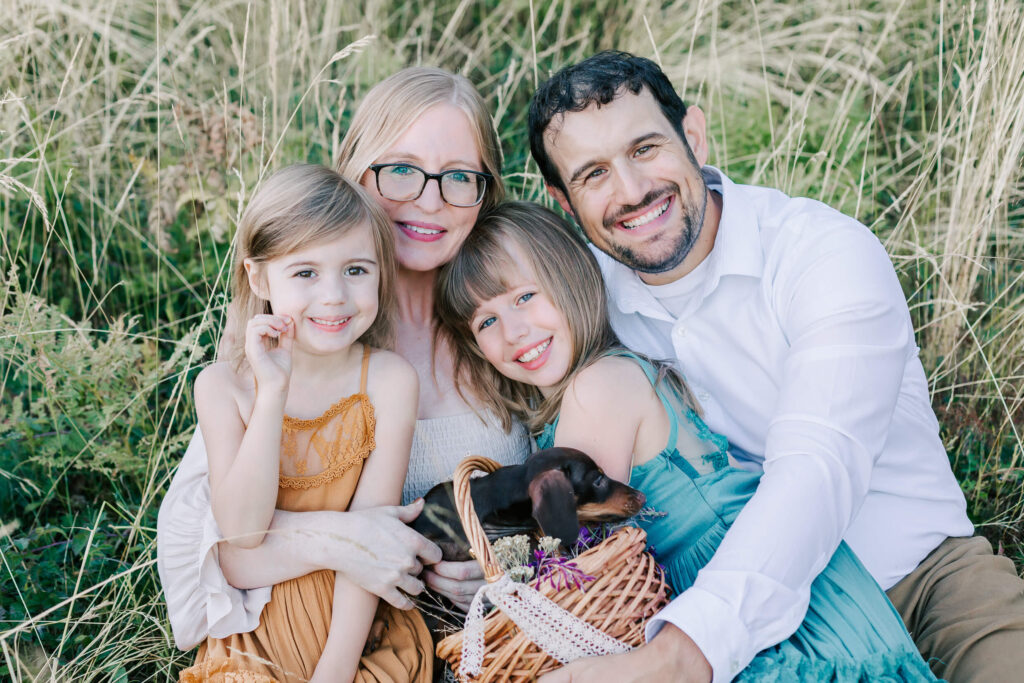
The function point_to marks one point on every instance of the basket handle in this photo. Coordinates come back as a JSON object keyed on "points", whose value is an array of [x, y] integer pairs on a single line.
{"points": [[467, 514]]}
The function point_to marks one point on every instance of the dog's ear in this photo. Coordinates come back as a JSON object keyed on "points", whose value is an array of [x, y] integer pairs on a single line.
{"points": [[554, 506]]}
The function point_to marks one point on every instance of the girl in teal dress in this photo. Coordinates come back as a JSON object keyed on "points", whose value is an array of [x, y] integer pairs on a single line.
{"points": [[522, 305]]}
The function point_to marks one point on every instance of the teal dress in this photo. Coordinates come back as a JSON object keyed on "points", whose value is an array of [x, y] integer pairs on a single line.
{"points": [[851, 632]]}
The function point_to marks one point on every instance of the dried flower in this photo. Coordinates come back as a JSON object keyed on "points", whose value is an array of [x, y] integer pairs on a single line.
{"points": [[218, 142], [512, 551], [521, 574], [646, 514], [550, 545]]}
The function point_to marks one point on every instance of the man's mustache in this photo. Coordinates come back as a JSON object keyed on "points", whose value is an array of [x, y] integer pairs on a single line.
{"points": [[647, 199]]}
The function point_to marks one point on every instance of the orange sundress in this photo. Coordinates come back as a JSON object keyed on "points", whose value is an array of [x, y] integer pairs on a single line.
{"points": [[293, 627]]}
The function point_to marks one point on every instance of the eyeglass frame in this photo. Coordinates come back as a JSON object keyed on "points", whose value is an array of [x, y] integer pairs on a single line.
{"points": [[427, 177]]}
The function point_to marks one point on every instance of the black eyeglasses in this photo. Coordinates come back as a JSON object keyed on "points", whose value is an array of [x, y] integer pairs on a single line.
{"points": [[405, 182]]}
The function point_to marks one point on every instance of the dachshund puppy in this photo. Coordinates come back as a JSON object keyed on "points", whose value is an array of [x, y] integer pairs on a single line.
{"points": [[554, 489]]}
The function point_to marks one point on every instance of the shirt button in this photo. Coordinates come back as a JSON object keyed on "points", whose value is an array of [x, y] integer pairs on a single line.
{"points": [[680, 332], [703, 396]]}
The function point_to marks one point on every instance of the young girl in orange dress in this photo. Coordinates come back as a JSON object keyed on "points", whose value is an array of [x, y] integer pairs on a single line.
{"points": [[311, 414]]}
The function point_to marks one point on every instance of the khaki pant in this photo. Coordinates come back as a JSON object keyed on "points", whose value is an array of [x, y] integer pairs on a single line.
{"points": [[964, 607]]}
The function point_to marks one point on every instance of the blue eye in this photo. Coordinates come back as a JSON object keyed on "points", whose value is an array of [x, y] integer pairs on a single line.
{"points": [[459, 177], [401, 170], [486, 322], [524, 298]]}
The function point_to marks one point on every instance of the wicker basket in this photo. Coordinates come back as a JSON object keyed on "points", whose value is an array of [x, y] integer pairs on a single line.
{"points": [[628, 590]]}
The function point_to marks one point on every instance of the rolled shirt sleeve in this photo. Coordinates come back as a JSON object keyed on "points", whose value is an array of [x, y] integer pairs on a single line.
{"points": [[200, 601], [837, 300]]}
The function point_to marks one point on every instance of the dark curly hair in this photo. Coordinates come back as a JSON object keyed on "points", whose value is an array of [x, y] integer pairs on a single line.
{"points": [[597, 80]]}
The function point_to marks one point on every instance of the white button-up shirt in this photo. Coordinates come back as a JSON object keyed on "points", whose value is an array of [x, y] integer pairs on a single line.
{"points": [[799, 344]]}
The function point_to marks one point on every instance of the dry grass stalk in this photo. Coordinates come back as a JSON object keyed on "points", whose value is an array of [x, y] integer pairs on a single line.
{"points": [[905, 113]]}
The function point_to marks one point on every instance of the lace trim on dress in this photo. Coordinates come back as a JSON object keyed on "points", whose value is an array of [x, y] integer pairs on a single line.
{"points": [[717, 459], [340, 437], [347, 446]]}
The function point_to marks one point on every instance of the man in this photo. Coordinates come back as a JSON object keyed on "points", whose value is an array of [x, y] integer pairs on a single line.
{"points": [[789, 322]]}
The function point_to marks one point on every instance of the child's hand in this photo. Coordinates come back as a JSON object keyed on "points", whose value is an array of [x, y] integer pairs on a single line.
{"points": [[457, 581], [271, 366]]}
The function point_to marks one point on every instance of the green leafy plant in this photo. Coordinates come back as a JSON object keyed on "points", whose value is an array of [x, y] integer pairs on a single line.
{"points": [[131, 134]]}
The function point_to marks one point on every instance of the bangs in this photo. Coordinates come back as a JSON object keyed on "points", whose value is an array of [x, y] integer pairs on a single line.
{"points": [[311, 234], [483, 270], [315, 208]]}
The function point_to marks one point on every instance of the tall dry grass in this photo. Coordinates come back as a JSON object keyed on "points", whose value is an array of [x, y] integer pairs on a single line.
{"points": [[131, 134]]}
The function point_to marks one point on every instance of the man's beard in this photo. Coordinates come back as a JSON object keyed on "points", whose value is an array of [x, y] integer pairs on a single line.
{"points": [[693, 220]]}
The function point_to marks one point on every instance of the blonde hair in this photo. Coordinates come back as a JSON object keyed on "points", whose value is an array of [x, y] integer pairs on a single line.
{"points": [[300, 206], [565, 271], [392, 105]]}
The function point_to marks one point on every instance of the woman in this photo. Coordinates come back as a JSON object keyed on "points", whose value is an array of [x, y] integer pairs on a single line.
{"points": [[423, 145]]}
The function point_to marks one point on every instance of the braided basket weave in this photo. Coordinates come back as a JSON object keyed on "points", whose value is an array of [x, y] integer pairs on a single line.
{"points": [[628, 590]]}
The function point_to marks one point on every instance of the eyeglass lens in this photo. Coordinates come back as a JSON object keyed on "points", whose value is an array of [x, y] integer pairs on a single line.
{"points": [[403, 183]]}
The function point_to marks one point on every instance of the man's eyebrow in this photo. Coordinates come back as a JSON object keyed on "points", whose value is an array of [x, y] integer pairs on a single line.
{"points": [[582, 168]]}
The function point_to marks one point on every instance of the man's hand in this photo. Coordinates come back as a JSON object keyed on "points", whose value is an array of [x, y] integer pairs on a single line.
{"points": [[670, 656], [457, 581]]}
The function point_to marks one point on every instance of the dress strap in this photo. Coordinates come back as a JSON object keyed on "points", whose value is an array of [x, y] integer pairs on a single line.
{"points": [[673, 417], [366, 366]]}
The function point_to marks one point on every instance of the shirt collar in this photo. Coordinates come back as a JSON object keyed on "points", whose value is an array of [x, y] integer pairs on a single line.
{"points": [[737, 251]]}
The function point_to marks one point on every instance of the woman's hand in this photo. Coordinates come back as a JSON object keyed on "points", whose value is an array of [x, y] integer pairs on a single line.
{"points": [[271, 365], [457, 581], [372, 548], [385, 557]]}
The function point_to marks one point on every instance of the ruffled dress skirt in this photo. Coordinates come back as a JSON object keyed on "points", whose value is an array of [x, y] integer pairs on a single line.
{"points": [[293, 628], [851, 632]]}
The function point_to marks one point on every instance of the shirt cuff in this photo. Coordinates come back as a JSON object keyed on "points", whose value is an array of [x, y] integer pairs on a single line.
{"points": [[708, 620]]}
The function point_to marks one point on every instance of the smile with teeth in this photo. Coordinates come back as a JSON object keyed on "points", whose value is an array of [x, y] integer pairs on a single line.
{"points": [[421, 231], [646, 218], [534, 352], [331, 323]]}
